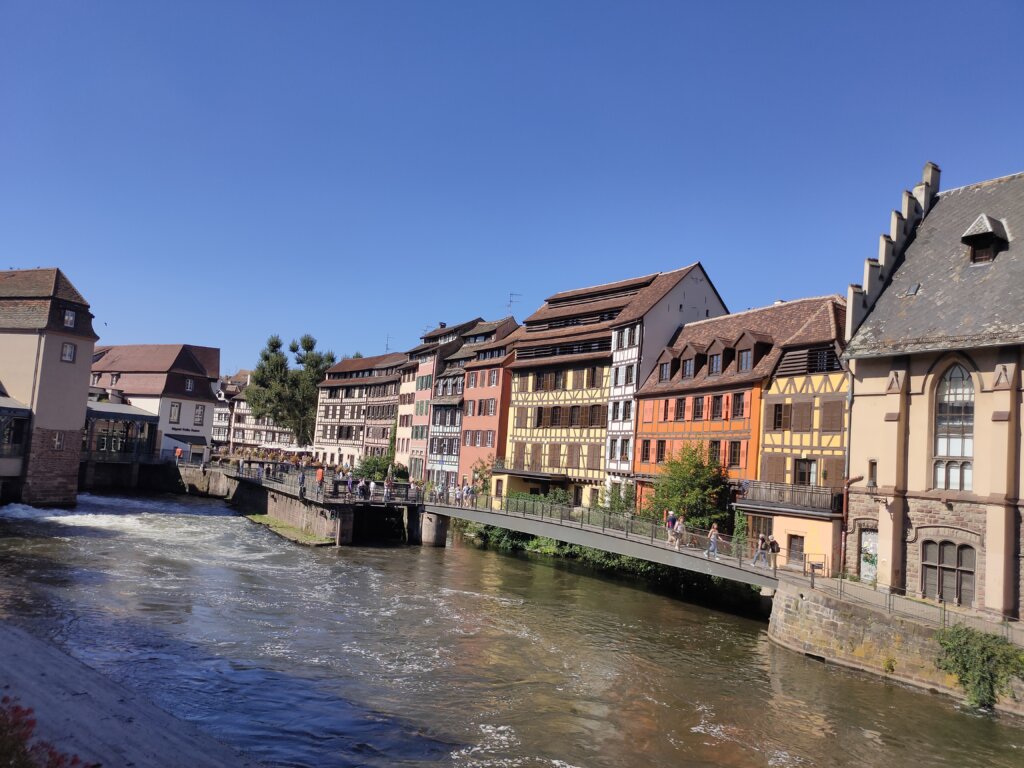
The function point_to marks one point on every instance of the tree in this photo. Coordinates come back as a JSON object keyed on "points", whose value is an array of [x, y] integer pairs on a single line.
{"points": [[480, 474], [620, 499], [693, 483], [373, 467], [289, 395]]}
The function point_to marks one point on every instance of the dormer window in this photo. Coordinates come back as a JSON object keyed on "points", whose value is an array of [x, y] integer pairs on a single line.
{"points": [[745, 359], [714, 365], [985, 239], [664, 371], [190, 385], [688, 368], [69, 318]]}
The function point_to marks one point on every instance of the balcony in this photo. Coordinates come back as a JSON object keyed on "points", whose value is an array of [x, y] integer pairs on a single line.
{"points": [[788, 496]]}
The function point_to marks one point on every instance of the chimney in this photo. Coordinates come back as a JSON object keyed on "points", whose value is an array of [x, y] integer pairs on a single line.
{"points": [[442, 325]]}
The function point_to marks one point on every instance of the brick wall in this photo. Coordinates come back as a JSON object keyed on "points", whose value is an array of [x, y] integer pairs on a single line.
{"points": [[961, 522], [51, 474], [863, 637]]}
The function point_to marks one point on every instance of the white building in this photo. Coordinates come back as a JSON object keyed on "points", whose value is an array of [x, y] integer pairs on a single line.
{"points": [[175, 382], [665, 303]]}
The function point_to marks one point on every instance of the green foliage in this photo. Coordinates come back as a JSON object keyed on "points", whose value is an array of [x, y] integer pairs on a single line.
{"points": [[481, 474], [621, 499], [289, 395], [373, 468], [984, 664], [693, 483], [889, 665], [739, 533], [553, 496]]}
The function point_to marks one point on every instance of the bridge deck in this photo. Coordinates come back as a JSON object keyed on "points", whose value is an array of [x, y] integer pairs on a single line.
{"points": [[618, 534]]}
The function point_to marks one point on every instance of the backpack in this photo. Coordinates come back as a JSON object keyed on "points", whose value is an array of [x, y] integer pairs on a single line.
{"points": [[774, 547]]}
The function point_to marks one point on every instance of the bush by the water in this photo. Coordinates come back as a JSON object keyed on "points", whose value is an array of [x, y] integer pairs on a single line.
{"points": [[984, 664], [18, 748]]}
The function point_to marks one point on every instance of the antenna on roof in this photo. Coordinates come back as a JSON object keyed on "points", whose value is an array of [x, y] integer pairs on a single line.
{"points": [[387, 344], [512, 299]]}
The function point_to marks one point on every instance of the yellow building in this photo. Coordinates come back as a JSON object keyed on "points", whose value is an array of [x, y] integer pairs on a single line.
{"points": [[797, 496], [577, 361]]}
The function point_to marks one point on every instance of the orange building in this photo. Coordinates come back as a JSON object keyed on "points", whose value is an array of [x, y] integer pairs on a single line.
{"points": [[707, 387]]}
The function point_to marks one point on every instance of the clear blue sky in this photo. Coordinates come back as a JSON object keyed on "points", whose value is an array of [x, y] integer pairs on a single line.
{"points": [[214, 172]]}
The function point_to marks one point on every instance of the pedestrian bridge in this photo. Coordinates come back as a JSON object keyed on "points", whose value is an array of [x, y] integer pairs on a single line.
{"points": [[615, 533]]}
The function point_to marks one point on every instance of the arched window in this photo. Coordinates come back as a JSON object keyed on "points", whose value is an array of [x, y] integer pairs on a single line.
{"points": [[947, 572], [954, 431]]}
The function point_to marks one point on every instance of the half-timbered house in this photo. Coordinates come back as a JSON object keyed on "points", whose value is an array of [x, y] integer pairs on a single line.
{"points": [[562, 381], [708, 387]]}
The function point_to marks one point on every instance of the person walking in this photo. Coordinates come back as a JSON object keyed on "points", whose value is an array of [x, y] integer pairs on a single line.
{"points": [[712, 542], [679, 530], [302, 484], [458, 496], [348, 479], [761, 551], [320, 482], [373, 489], [773, 552], [670, 528]]}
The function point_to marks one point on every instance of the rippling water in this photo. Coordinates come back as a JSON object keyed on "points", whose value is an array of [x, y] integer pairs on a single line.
{"points": [[454, 657]]}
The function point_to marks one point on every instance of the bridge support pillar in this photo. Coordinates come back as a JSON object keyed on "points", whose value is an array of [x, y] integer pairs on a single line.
{"points": [[433, 529], [412, 518]]}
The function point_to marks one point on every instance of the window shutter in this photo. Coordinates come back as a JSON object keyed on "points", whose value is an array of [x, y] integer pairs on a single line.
{"points": [[743, 454], [834, 467], [554, 456], [535, 456], [603, 415], [520, 417], [726, 407], [593, 456], [832, 416], [584, 416], [598, 377], [787, 416], [773, 468]]}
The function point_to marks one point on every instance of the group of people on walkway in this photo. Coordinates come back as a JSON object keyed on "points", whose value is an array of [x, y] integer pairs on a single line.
{"points": [[765, 551], [459, 496]]}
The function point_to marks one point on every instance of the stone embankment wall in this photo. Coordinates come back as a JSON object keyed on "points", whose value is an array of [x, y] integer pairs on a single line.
{"points": [[253, 499], [865, 638]]}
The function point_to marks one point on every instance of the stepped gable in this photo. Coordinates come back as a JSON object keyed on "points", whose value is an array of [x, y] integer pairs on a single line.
{"points": [[937, 298], [790, 323]]}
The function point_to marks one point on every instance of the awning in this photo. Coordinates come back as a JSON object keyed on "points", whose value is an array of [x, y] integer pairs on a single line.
{"points": [[11, 407], [187, 439], [119, 412]]}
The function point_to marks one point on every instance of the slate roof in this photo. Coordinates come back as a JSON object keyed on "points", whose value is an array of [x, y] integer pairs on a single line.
{"points": [[957, 304], [456, 329], [790, 323]]}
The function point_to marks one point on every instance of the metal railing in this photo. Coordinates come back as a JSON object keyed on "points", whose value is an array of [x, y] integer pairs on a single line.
{"points": [[939, 614], [739, 554], [809, 496], [333, 489]]}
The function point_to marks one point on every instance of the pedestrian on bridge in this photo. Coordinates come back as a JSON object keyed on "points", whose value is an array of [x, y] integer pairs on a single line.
{"points": [[680, 530], [320, 481], [670, 528], [373, 489], [458, 496], [761, 552], [712, 542]]}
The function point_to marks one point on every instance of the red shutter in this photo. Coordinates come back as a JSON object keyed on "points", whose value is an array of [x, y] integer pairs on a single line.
{"points": [[726, 407], [743, 454]]}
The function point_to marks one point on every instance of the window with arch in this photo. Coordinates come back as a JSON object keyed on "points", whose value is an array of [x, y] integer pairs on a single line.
{"points": [[947, 571], [954, 431]]}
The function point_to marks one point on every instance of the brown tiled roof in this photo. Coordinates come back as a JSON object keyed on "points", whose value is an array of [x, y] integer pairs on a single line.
{"points": [[489, 363], [24, 314], [39, 284], [560, 360], [487, 326], [632, 284], [156, 358], [591, 332], [350, 364], [825, 326], [779, 321], [628, 299], [654, 293], [456, 329]]}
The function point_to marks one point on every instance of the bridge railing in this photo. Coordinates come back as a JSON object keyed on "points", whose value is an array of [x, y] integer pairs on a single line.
{"points": [[303, 483], [693, 540]]}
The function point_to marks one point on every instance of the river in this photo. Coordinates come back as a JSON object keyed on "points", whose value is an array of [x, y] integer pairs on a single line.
{"points": [[449, 657]]}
